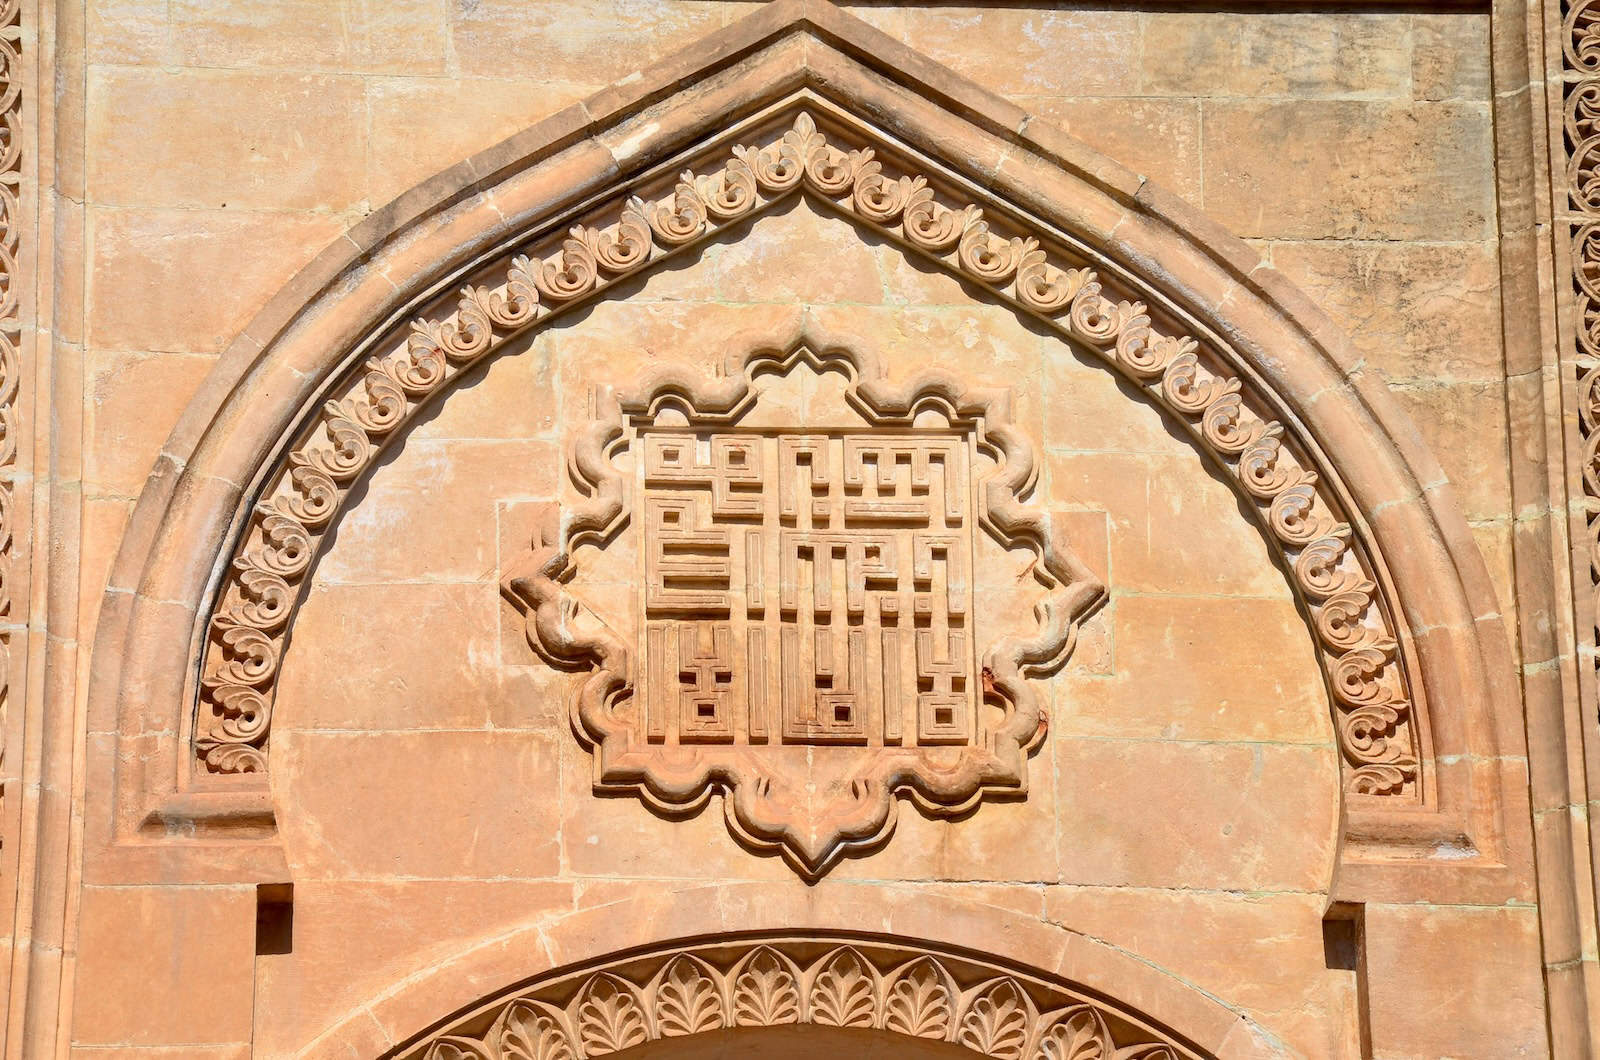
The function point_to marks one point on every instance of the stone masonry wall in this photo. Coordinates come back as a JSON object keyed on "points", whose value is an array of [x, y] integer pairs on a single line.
{"points": [[429, 792]]}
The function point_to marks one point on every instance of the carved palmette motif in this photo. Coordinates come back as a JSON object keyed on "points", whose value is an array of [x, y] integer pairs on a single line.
{"points": [[766, 983], [1333, 571]]}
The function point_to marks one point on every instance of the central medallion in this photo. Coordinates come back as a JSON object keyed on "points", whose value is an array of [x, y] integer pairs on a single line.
{"points": [[837, 597]]}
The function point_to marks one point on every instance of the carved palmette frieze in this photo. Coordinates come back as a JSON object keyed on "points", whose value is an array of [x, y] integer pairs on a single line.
{"points": [[1332, 569], [805, 632], [869, 985]]}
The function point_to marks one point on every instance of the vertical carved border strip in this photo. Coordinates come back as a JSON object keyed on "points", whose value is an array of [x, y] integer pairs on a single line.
{"points": [[1581, 126], [10, 323]]}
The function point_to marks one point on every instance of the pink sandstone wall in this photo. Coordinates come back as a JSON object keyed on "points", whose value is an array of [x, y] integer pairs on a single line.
{"points": [[428, 789]]}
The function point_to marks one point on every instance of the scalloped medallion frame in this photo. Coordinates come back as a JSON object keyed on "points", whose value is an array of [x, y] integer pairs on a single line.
{"points": [[817, 805], [1395, 593]]}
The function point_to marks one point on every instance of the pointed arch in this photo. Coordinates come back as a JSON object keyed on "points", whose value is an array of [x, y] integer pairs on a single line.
{"points": [[800, 99]]}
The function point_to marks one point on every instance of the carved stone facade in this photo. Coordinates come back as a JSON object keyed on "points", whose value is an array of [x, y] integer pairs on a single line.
{"points": [[450, 451]]}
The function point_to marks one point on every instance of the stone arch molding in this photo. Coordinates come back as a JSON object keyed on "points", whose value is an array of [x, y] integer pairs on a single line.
{"points": [[1377, 715], [907, 989], [798, 100]]}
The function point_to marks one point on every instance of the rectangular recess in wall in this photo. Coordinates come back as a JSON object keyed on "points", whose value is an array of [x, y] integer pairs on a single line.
{"points": [[274, 918]]}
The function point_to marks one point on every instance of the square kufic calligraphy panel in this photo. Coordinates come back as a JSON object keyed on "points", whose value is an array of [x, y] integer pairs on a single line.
{"points": [[807, 588]]}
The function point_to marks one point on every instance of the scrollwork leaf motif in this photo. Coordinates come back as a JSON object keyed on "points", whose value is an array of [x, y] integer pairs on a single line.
{"points": [[1045, 288], [570, 273], [517, 303], [249, 656], [284, 547], [730, 193], [842, 993], [1262, 469], [1227, 427], [627, 248], [765, 992], [1293, 514], [382, 409], [931, 226], [776, 171], [1384, 779], [1187, 390], [1339, 621], [1318, 572], [229, 758], [687, 1001], [880, 199], [1356, 675], [990, 258], [680, 222], [919, 1003], [996, 1022], [609, 1016]]}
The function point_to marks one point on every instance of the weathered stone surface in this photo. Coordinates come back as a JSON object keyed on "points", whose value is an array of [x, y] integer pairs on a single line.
{"points": [[187, 280], [1270, 171], [275, 141], [1209, 763]]}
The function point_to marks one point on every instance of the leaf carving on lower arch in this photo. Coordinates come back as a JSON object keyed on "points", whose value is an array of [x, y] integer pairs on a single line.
{"points": [[1076, 1034], [996, 1024], [687, 1001], [842, 994], [525, 1032], [920, 1002], [458, 1049], [910, 992], [610, 1018], [765, 992]]}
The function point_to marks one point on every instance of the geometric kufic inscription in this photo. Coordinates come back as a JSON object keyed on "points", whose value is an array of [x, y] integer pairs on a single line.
{"points": [[807, 588]]}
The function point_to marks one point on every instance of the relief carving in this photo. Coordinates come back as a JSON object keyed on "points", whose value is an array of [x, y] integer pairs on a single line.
{"points": [[807, 631], [10, 329], [841, 982], [1280, 478], [1581, 54]]}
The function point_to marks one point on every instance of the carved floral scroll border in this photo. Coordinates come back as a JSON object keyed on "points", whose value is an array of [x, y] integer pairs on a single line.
{"points": [[1581, 124], [838, 982], [1330, 571], [10, 321]]}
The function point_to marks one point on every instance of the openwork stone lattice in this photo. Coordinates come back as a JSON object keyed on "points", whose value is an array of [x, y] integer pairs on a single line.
{"points": [[1331, 570], [804, 633], [835, 982]]}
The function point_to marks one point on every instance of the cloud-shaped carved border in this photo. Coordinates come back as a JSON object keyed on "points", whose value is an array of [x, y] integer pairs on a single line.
{"points": [[566, 633]]}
